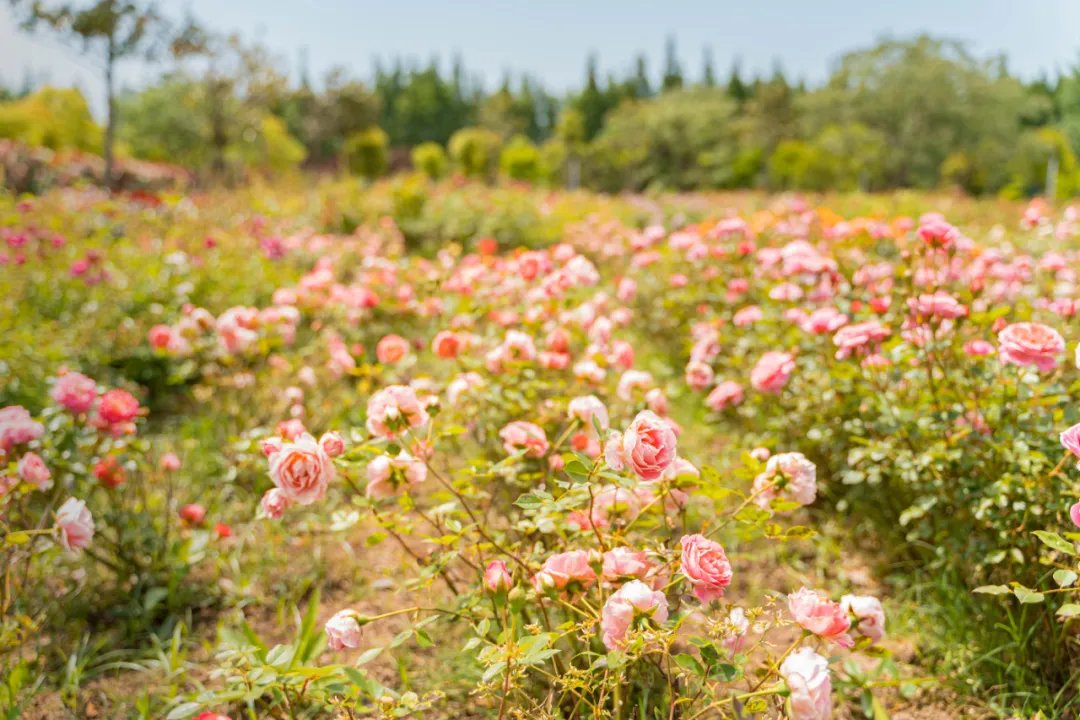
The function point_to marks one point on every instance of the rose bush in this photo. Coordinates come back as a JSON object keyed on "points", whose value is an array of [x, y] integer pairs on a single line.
{"points": [[571, 440]]}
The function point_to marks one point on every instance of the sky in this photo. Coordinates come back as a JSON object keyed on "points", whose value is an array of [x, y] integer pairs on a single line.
{"points": [[551, 39]]}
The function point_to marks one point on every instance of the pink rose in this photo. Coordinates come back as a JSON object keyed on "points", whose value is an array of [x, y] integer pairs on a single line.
{"points": [[76, 525], [807, 676], [622, 562], [32, 469], [117, 407], [633, 600], [497, 577], [648, 445], [75, 392], [863, 337], [1074, 514], [564, 570], [699, 375], [274, 503], [386, 474], [869, 615], [787, 475], [978, 348], [772, 371], [1029, 343], [815, 612], [271, 446], [332, 444], [17, 427], [343, 631], [613, 451], [302, 470], [586, 407], [193, 514], [1070, 440], [521, 435], [394, 409], [726, 394], [391, 349], [169, 462], [706, 566]]}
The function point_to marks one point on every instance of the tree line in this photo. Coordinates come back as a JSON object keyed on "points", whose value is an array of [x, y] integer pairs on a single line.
{"points": [[921, 112]]}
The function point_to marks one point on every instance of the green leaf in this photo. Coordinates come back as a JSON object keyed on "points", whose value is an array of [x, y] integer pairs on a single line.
{"points": [[1027, 596], [1056, 542], [1064, 578], [690, 663], [183, 710], [992, 590], [1068, 610], [423, 639], [367, 656]]}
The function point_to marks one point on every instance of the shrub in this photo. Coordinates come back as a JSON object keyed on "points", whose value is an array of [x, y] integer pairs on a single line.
{"points": [[474, 152], [430, 159], [520, 160], [366, 153]]}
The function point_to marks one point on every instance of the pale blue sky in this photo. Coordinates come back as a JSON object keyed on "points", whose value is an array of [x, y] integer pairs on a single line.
{"points": [[551, 38]]}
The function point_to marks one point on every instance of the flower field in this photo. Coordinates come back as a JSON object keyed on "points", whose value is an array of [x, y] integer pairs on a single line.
{"points": [[444, 450]]}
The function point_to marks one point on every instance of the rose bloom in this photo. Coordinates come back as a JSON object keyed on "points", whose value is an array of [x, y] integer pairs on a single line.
{"points": [[815, 612], [807, 676], [446, 344], [823, 320], [747, 316], [648, 445], [725, 394], [169, 462], [563, 570], [193, 513], [698, 375], [32, 469], [110, 472], [789, 475], [868, 613], [772, 371], [393, 409], [521, 435], [587, 407], [274, 503], [1070, 440], [706, 566], [859, 336], [76, 525], [343, 631], [497, 577], [302, 470], [634, 599], [17, 427], [332, 444], [622, 562], [208, 715], [1074, 514], [978, 348], [939, 305], [386, 473], [75, 392], [1029, 343], [391, 349], [117, 407]]}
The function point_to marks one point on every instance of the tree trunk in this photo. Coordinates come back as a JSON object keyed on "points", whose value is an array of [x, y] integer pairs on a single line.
{"points": [[110, 120]]}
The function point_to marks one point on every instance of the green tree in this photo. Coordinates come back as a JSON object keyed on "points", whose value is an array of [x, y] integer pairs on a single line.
{"points": [[672, 78], [682, 139], [928, 98], [112, 30]]}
